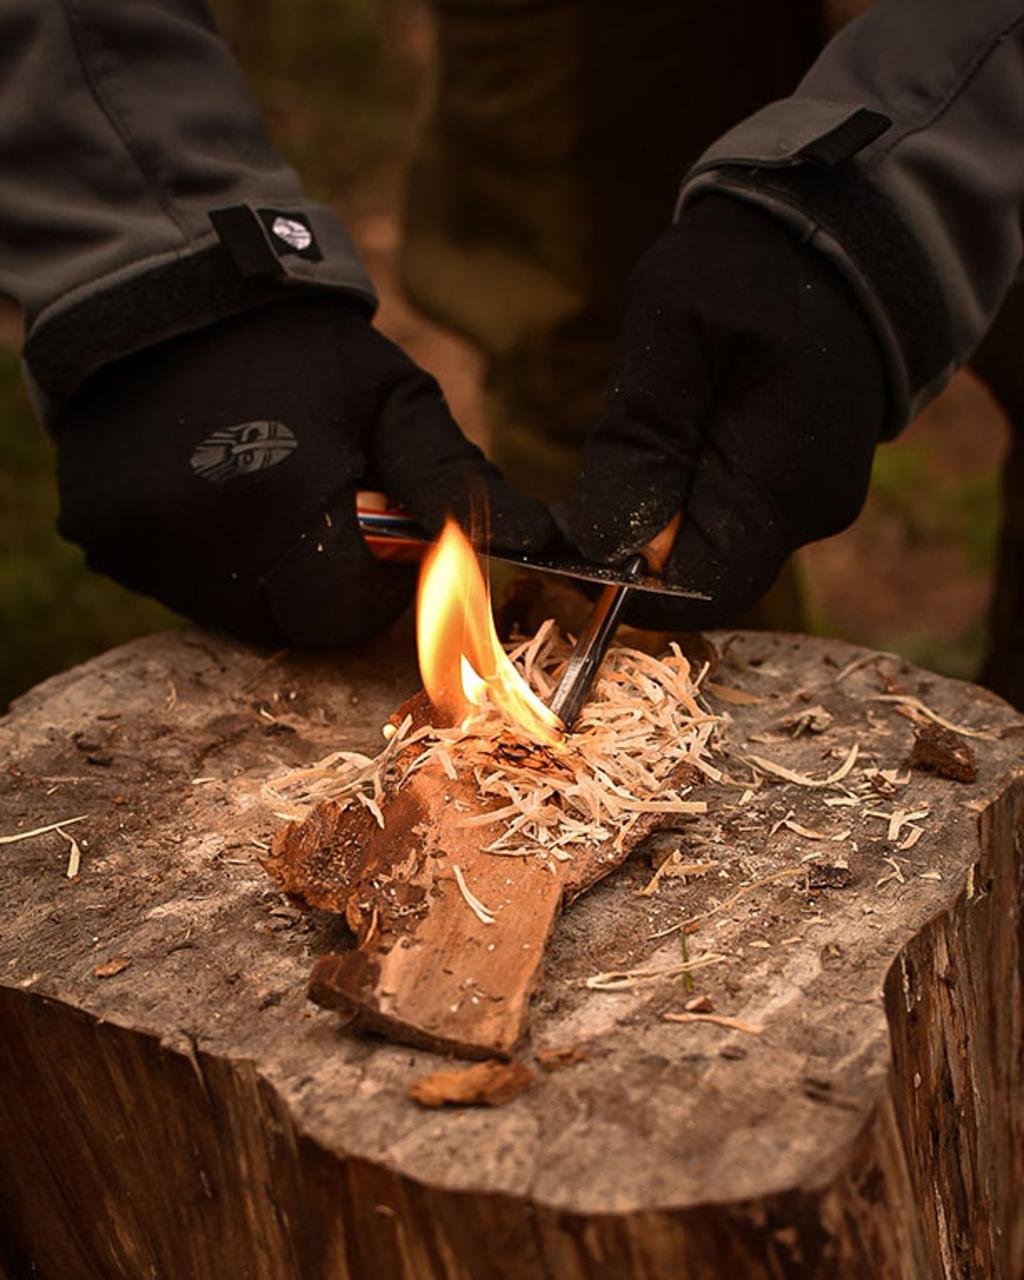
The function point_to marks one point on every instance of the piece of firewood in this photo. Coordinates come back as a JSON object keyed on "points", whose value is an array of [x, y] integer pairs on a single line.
{"points": [[430, 967], [943, 752], [485, 1084]]}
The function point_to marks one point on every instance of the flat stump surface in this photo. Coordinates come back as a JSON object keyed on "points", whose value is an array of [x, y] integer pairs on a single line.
{"points": [[156, 1024]]}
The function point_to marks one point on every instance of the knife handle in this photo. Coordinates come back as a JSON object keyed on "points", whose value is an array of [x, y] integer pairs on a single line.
{"points": [[389, 532], [657, 551]]}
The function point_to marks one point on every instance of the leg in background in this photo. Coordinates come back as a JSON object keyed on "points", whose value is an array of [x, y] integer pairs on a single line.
{"points": [[999, 362], [559, 135]]}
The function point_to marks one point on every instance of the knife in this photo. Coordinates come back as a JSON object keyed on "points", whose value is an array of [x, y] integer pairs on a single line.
{"points": [[393, 535]]}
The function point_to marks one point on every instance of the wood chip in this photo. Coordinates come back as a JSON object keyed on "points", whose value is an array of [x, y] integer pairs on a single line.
{"points": [[911, 838], [897, 820], [674, 866], [813, 720], [41, 831], [800, 779], [824, 875], [74, 855], [810, 834], [559, 1059], [895, 874], [736, 697], [627, 979], [718, 1019], [917, 706], [862, 661], [484, 914], [117, 964], [485, 1084], [700, 1004], [942, 751]]}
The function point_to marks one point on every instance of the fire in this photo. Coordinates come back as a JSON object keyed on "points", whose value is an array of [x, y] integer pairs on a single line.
{"points": [[461, 658]]}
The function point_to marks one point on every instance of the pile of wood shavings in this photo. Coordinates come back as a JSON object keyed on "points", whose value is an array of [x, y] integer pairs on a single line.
{"points": [[642, 723]]}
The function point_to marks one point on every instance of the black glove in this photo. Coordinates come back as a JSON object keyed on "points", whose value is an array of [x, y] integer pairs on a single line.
{"points": [[218, 472], [748, 391]]}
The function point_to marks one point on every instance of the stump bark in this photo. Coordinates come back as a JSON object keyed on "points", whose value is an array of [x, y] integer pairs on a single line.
{"points": [[191, 1114]]}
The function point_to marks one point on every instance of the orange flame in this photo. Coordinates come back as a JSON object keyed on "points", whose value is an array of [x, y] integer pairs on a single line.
{"points": [[461, 658]]}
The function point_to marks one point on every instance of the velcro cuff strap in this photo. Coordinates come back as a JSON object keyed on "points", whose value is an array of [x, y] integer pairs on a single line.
{"points": [[243, 234], [846, 139]]}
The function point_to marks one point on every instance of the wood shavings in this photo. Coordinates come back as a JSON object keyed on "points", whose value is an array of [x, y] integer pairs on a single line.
{"points": [[627, 979], [911, 838], [915, 705], [719, 1020], [41, 831], [342, 776], [800, 779], [897, 820], [674, 866], [74, 855], [641, 731], [929, 875], [777, 826], [484, 914]]}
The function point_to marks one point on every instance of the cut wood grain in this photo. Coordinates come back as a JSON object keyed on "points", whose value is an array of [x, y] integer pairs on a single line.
{"points": [[194, 1116]]}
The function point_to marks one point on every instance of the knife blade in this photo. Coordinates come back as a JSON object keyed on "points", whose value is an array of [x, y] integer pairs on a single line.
{"points": [[393, 535]]}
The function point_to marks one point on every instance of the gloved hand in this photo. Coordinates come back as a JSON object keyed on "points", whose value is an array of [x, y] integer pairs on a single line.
{"points": [[218, 472], [748, 391]]}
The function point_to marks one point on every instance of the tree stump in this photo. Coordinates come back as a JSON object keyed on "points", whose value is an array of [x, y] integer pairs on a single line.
{"points": [[174, 1106]]}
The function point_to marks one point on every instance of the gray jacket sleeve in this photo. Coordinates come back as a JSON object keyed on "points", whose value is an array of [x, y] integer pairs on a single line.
{"points": [[139, 194], [901, 156]]}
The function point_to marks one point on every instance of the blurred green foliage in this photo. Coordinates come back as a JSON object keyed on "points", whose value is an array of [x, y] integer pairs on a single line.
{"points": [[53, 612], [936, 508], [322, 73]]}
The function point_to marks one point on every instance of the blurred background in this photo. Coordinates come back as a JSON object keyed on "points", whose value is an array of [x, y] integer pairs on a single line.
{"points": [[345, 85]]}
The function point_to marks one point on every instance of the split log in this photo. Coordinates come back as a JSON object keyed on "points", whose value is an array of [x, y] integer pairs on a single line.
{"points": [[430, 968], [192, 1114]]}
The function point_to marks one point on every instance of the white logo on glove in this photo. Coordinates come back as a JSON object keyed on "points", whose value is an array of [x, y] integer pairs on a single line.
{"points": [[297, 234]]}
